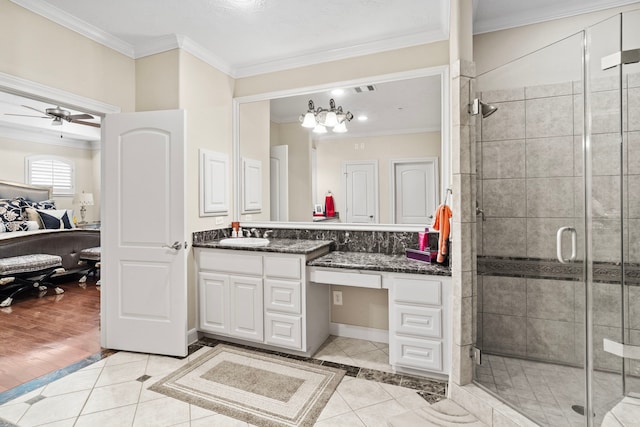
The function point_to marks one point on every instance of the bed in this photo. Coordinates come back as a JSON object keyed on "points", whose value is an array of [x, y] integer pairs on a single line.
{"points": [[66, 243]]}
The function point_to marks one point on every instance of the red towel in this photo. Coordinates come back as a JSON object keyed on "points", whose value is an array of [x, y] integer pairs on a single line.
{"points": [[441, 223], [329, 209]]}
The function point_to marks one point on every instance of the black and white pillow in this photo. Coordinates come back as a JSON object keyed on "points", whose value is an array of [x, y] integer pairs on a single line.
{"points": [[16, 226], [44, 204], [54, 219], [11, 210]]}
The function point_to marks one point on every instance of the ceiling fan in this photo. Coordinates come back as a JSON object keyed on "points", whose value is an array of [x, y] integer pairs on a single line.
{"points": [[58, 115]]}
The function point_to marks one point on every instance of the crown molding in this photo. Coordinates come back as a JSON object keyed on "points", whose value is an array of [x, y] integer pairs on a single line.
{"points": [[43, 138], [178, 41], [81, 27], [342, 53], [505, 23]]}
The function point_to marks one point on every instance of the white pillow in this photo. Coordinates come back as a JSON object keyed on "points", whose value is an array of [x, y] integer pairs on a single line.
{"points": [[33, 225]]}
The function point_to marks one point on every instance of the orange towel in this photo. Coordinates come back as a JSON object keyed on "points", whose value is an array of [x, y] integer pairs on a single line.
{"points": [[441, 223]]}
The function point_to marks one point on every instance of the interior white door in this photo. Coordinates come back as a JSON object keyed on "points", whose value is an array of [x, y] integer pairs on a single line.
{"points": [[415, 187], [279, 183], [361, 190], [144, 256]]}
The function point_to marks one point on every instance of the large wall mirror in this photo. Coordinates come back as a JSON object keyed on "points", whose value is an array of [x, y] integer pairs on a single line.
{"points": [[388, 169]]}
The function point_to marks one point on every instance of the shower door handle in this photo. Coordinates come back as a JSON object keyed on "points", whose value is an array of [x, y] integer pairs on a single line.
{"points": [[574, 241]]}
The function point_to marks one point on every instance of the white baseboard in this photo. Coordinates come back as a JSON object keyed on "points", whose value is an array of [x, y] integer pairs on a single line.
{"points": [[192, 336], [359, 332]]}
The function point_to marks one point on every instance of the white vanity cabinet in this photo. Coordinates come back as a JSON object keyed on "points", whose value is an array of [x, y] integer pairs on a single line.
{"points": [[419, 323], [261, 297], [230, 294]]}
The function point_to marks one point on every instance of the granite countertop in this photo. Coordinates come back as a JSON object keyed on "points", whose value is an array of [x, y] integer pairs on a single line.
{"points": [[288, 246], [378, 262]]}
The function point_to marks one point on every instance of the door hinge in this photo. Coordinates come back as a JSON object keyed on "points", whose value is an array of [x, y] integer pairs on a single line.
{"points": [[476, 355], [630, 56]]}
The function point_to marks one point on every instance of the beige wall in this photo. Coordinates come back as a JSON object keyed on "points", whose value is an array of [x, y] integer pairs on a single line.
{"points": [[206, 95], [254, 144], [368, 308], [333, 152], [157, 81], [299, 142], [39, 50], [12, 164]]}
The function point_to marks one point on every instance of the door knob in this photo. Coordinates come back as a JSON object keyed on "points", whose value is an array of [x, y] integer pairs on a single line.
{"points": [[176, 246]]}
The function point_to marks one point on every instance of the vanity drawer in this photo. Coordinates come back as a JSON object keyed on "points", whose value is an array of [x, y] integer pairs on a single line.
{"points": [[283, 267], [418, 353], [230, 262], [283, 296], [419, 321], [346, 278], [283, 330], [417, 291]]}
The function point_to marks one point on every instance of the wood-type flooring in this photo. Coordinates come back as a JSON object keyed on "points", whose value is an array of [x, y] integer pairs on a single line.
{"points": [[42, 335]]}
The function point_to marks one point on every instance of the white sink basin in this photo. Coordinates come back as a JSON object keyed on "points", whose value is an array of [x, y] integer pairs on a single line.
{"points": [[244, 241]]}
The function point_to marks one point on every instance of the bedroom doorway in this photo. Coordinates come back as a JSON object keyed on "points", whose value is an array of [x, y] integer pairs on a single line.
{"points": [[57, 330]]}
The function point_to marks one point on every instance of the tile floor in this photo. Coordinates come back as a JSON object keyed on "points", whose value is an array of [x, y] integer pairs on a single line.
{"points": [[546, 392], [113, 392]]}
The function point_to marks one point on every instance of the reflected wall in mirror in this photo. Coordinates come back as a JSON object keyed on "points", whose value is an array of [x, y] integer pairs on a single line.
{"points": [[383, 170]]}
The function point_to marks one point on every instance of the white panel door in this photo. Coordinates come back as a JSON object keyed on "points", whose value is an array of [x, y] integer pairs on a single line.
{"points": [[279, 183], [144, 257], [246, 307], [415, 191], [361, 190]]}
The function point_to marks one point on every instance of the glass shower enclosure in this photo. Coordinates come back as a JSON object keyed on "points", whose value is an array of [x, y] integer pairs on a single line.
{"points": [[558, 306]]}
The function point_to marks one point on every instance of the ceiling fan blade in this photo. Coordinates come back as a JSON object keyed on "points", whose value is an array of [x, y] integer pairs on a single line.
{"points": [[27, 115], [80, 122], [35, 109], [79, 117]]}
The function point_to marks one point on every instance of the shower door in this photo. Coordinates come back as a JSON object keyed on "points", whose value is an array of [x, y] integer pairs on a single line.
{"points": [[612, 219], [559, 178]]}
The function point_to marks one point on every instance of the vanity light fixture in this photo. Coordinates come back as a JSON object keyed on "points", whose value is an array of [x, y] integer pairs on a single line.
{"points": [[319, 119]]}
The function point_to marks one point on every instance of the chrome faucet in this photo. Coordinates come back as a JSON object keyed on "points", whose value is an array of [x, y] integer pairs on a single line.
{"points": [[266, 233], [247, 233], [254, 232]]}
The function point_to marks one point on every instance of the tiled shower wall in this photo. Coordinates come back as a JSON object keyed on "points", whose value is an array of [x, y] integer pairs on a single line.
{"points": [[529, 185], [530, 169]]}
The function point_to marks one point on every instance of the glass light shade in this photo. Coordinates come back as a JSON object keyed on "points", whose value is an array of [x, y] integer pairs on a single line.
{"points": [[319, 129], [309, 121], [340, 128], [331, 120]]}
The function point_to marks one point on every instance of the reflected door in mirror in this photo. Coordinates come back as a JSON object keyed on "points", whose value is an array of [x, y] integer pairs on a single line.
{"points": [[361, 190]]}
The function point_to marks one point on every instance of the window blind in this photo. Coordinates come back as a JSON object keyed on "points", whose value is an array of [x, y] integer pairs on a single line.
{"points": [[52, 173]]}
